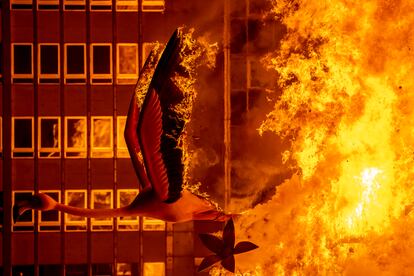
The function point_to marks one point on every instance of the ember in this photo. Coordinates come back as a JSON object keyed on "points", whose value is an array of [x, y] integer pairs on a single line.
{"points": [[345, 70]]}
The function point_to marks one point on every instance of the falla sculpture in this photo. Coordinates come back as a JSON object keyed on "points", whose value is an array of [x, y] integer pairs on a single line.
{"points": [[154, 131]]}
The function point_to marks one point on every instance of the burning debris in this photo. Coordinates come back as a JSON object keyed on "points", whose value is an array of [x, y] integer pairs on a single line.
{"points": [[345, 70]]}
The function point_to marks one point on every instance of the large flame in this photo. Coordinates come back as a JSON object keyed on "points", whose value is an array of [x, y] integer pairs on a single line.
{"points": [[346, 72]]}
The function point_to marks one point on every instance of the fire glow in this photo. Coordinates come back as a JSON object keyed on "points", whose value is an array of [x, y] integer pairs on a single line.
{"points": [[345, 71]]}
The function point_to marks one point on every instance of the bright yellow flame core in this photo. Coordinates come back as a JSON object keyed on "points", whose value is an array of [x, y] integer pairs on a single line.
{"points": [[346, 73], [368, 199]]}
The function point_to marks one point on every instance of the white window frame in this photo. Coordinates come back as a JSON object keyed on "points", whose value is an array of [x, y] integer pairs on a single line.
{"points": [[21, 76], [21, 2], [22, 150], [41, 76], [53, 4], [43, 225], [74, 77], [102, 152], [151, 224], [153, 6], [122, 152], [100, 5], [39, 139], [18, 224], [101, 79], [127, 5], [126, 224], [102, 224], [130, 78], [81, 151], [68, 5], [75, 226], [147, 266]]}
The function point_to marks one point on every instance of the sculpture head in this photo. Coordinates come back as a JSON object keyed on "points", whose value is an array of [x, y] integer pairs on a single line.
{"points": [[40, 202]]}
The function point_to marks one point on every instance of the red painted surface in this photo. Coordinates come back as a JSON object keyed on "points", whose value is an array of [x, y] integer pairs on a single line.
{"points": [[49, 99], [76, 248], [49, 248]]}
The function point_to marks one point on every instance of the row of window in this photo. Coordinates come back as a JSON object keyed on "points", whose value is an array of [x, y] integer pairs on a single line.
{"points": [[75, 137], [75, 67], [94, 5], [100, 199], [122, 269]]}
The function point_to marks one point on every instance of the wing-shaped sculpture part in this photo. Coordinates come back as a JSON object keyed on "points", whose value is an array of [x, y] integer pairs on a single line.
{"points": [[161, 125], [150, 131], [131, 125]]}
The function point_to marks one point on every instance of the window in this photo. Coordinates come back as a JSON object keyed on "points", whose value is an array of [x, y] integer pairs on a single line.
{"points": [[47, 4], [101, 269], [127, 5], [75, 63], [153, 5], [154, 269], [49, 137], [22, 62], [74, 5], [101, 5], [48, 270], [125, 197], [258, 77], [1, 210], [127, 63], [25, 222], [22, 137], [24, 270], [102, 199], [75, 198], [124, 269], [238, 73], [1, 137], [238, 107], [151, 224], [101, 63], [21, 4], [122, 150], [1, 60], [146, 50], [76, 270], [50, 220], [101, 138], [49, 64], [75, 137]]}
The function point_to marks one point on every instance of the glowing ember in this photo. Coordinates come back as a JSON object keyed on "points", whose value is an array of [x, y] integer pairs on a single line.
{"points": [[345, 70]]}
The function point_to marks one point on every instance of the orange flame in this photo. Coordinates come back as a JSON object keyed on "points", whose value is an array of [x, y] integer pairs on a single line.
{"points": [[345, 70]]}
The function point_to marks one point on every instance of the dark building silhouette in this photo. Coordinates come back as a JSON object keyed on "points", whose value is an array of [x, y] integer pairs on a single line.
{"points": [[68, 69]]}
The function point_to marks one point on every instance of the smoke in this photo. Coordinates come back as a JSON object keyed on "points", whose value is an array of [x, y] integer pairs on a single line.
{"points": [[256, 161]]}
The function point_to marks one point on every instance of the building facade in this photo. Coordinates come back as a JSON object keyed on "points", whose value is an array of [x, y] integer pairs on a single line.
{"points": [[68, 69]]}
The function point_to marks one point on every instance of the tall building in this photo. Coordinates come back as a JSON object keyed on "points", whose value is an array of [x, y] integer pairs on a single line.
{"points": [[68, 69]]}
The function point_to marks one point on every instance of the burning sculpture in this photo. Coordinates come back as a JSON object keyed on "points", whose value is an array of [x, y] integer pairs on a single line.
{"points": [[345, 72], [155, 136], [155, 133]]}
